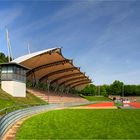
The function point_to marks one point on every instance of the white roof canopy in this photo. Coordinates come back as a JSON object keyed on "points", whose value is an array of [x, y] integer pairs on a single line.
{"points": [[53, 66]]}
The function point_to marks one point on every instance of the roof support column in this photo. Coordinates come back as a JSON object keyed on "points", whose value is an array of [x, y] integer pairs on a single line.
{"points": [[48, 87], [62, 89], [56, 88], [67, 90], [33, 79]]}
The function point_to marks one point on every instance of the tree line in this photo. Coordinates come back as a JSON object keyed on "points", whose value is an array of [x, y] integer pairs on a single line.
{"points": [[116, 88], [3, 58]]}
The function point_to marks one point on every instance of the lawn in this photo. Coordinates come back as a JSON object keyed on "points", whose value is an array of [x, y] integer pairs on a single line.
{"points": [[7, 100], [82, 124], [97, 98]]}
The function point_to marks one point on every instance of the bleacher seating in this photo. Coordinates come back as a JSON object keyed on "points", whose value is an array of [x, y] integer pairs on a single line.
{"points": [[55, 97]]}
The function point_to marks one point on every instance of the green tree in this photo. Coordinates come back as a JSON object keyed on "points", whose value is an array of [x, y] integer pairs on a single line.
{"points": [[131, 90], [3, 58], [116, 88], [89, 90], [103, 91], [107, 88]]}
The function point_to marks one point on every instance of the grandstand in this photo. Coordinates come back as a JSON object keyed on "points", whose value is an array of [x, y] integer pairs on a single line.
{"points": [[50, 65], [56, 97], [51, 68]]}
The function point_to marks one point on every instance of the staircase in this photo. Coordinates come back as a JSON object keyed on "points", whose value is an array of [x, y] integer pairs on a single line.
{"points": [[53, 97]]}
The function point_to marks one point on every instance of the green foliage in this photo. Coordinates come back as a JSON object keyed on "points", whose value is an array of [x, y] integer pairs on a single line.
{"points": [[116, 88], [103, 91], [89, 90], [3, 58], [29, 84], [42, 86], [82, 124], [74, 91], [131, 90], [96, 98]]}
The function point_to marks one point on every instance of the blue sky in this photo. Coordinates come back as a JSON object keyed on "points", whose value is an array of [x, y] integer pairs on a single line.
{"points": [[103, 37]]}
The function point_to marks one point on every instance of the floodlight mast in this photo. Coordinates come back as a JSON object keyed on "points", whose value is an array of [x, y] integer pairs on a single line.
{"points": [[29, 48], [9, 46]]}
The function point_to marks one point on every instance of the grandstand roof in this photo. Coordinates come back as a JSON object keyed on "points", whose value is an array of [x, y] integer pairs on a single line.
{"points": [[51, 65]]}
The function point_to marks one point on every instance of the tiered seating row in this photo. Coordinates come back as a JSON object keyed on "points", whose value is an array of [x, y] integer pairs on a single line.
{"points": [[55, 97]]}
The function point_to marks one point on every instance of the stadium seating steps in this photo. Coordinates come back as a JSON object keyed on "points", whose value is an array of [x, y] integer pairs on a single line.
{"points": [[53, 97]]}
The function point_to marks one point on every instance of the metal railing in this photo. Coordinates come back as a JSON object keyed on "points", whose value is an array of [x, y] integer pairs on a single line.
{"points": [[7, 110], [9, 119]]}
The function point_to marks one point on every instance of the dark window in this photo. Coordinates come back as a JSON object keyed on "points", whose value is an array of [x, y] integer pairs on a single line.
{"points": [[4, 69]]}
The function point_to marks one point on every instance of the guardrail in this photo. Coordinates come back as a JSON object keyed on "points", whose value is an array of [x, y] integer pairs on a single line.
{"points": [[7, 110], [8, 120]]}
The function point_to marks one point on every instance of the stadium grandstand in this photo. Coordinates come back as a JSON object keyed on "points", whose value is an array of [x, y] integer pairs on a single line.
{"points": [[50, 67]]}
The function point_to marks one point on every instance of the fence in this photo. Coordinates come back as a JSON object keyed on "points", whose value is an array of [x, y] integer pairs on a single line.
{"points": [[9, 119]]}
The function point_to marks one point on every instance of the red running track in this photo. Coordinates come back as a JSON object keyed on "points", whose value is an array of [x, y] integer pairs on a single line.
{"points": [[134, 104], [103, 104]]}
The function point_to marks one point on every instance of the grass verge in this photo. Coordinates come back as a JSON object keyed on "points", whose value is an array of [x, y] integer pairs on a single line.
{"points": [[82, 124], [96, 98], [7, 100]]}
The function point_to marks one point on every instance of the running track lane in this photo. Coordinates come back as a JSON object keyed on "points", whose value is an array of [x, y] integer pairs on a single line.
{"points": [[104, 104], [134, 104]]}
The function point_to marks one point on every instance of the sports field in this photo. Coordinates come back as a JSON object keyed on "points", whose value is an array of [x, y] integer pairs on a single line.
{"points": [[82, 124], [97, 98]]}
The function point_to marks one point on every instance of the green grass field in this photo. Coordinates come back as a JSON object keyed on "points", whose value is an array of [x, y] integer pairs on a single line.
{"points": [[96, 98], [8, 101], [82, 124]]}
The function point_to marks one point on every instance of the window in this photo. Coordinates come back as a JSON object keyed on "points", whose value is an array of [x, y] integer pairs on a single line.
{"points": [[18, 70], [14, 70], [13, 73], [4, 69], [10, 69]]}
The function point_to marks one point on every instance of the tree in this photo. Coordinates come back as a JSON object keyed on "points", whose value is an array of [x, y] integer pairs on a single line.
{"points": [[103, 91], [89, 90], [3, 58], [131, 90], [116, 88], [107, 88]]}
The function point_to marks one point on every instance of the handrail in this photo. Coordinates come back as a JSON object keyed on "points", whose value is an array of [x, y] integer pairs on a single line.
{"points": [[9, 119], [12, 108]]}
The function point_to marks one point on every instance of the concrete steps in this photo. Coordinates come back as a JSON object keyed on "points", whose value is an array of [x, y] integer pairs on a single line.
{"points": [[53, 97]]}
